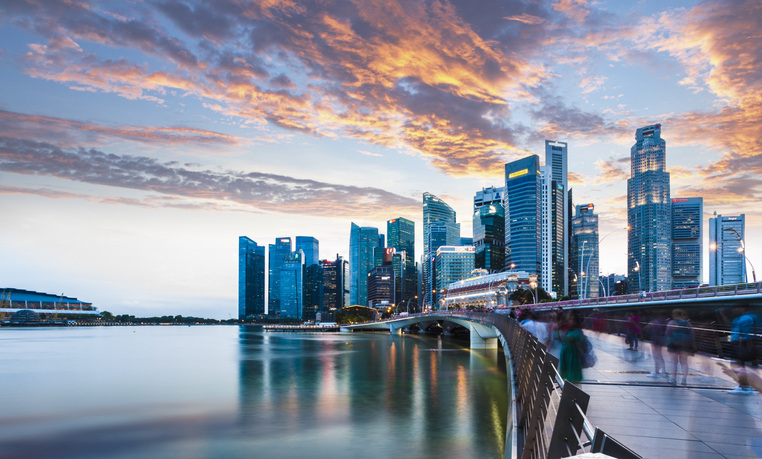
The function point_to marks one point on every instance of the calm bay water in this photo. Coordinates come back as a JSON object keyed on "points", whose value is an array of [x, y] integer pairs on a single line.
{"points": [[224, 391]]}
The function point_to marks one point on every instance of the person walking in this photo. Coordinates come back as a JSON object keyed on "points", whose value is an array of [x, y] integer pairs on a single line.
{"points": [[572, 348], [743, 337], [682, 342], [538, 329], [657, 329], [632, 330]]}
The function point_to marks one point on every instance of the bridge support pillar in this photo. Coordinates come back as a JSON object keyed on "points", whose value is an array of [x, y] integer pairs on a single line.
{"points": [[395, 330], [477, 342]]}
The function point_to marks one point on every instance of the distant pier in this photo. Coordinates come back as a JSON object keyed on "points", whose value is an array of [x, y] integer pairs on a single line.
{"points": [[302, 328]]}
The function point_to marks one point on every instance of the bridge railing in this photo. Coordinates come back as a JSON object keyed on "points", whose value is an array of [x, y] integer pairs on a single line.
{"points": [[550, 413]]}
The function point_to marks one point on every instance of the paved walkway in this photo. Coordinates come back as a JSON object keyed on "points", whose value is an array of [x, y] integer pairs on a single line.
{"points": [[656, 419]]}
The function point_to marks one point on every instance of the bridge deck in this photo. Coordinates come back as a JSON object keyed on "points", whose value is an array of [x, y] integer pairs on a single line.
{"points": [[660, 420]]}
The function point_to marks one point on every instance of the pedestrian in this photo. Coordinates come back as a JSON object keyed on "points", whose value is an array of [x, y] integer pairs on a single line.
{"points": [[632, 330], [535, 327], [657, 330], [743, 337], [681, 343], [572, 348]]}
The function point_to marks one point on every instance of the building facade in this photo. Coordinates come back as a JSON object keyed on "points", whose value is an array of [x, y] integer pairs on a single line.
{"points": [[559, 201], [727, 260], [381, 283], [335, 283], [400, 235], [453, 263], [251, 278], [362, 242], [649, 242], [687, 237], [489, 236], [584, 254], [523, 219], [292, 286], [276, 254], [439, 228]]}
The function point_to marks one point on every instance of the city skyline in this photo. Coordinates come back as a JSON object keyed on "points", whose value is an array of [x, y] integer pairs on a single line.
{"points": [[139, 141]]}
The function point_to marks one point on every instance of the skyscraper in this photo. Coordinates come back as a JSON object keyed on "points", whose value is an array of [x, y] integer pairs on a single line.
{"points": [[251, 278], [381, 285], [313, 276], [436, 214], [292, 286], [453, 263], [523, 220], [311, 248], [277, 253], [553, 277], [489, 236], [727, 260], [556, 163], [687, 237], [335, 283], [362, 241], [584, 252], [400, 234], [649, 242]]}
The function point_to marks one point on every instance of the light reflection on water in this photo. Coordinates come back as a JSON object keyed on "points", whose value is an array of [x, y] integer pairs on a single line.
{"points": [[219, 392]]}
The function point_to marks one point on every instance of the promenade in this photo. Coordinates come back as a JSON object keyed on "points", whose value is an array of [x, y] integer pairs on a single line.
{"points": [[655, 419]]}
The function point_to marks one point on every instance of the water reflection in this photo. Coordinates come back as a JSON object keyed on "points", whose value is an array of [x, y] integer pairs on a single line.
{"points": [[370, 395]]}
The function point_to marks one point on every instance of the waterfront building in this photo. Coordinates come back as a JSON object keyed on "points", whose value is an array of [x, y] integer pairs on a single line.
{"points": [[251, 278], [523, 219], [335, 283], [400, 235], [584, 253], [439, 228], [489, 236], [687, 237], [558, 215], [292, 286], [727, 260], [486, 290], [453, 263], [313, 275], [381, 283], [276, 254], [649, 242], [362, 242]]}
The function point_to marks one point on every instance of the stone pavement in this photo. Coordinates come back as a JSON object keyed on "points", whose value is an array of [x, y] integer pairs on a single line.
{"points": [[660, 420]]}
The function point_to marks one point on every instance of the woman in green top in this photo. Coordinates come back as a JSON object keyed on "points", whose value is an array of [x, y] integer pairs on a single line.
{"points": [[572, 345]]}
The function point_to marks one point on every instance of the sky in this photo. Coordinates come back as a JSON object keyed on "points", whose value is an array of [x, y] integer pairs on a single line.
{"points": [[140, 139]]}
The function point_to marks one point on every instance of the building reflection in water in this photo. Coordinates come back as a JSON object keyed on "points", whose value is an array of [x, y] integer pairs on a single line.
{"points": [[370, 395]]}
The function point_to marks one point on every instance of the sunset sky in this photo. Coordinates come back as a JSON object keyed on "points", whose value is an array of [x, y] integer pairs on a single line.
{"points": [[139, 139]]}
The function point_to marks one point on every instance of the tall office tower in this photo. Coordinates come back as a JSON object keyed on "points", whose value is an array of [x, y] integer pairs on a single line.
{"points": [[453, 263], [556, 162], [523, 219], [584, 252], [400, 234], [362, 241], [292, 286], [727, 260], [687, 237], [489, 195], [569, 219], [313, 276], [649, 242], [251, 278], [437, 216], [546, 242], [311, 248], [489, 236], [380, 285], [277, 253], [335, 283]]}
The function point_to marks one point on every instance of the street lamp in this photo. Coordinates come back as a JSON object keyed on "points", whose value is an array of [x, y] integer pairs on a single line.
{"points": [[637, 268], [533, 285], [742, 250], [581, 295]]}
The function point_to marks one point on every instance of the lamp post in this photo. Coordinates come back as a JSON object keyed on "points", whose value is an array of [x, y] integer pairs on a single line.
{"points": [[581, 294], [533, 285], [637, 268], [742, 250]]}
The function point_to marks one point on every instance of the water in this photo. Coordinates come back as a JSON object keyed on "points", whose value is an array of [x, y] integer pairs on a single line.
{"points": [[226, 392]]}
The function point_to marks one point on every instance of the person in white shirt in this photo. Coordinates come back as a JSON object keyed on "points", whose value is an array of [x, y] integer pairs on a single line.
{"points": [[538, 329]]}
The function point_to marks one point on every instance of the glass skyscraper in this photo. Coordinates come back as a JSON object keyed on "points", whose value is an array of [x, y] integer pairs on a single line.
{"points": [[453, 263], [727, 261], [687, 237], [251, 278], [556, 164], [584, 253], [362, 242], [489, 236], [277, 253], [292, 286], [400, 235], [335, 283], [313, 276], [311, 248], [438, 218], [523, 220], [649, 244]]}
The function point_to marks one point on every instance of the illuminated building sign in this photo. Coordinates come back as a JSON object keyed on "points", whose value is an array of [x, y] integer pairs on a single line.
{"points": [[679, 200], [285, 240], [518, 173]]}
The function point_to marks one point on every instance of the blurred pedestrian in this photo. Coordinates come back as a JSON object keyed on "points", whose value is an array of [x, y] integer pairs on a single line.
{"points": [[657, 330], [632, 330], [743, 337], [535, 327], [572, 348], [681, 343]]}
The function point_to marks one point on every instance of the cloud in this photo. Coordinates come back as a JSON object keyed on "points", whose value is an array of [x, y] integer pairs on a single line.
{"points": [[70, 133], [266, 192], [612, 170]]}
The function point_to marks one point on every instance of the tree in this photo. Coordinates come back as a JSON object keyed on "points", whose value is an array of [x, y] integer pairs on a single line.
{"points": [[526, 296], [105, 315]]}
